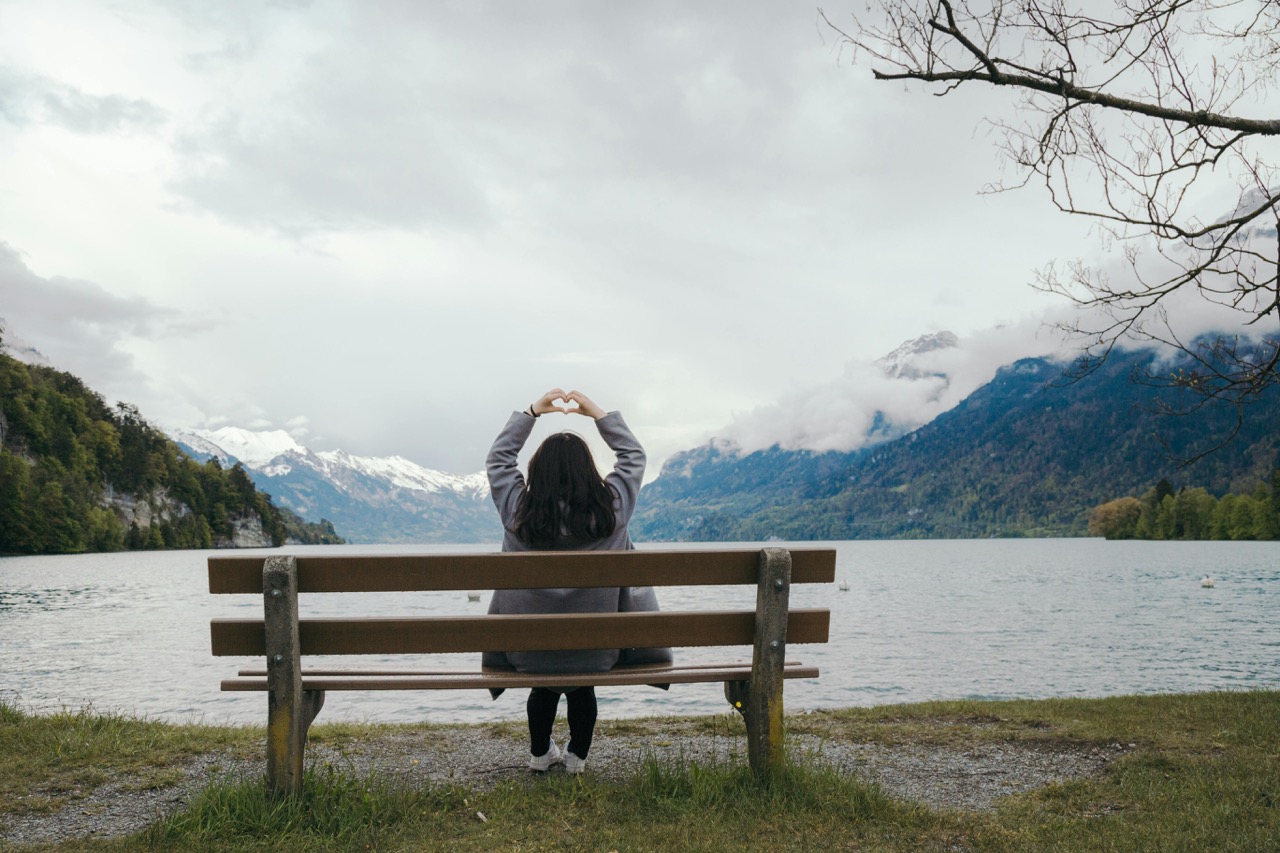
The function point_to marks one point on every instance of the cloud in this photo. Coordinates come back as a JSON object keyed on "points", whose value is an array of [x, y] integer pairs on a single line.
{"points": [[457, 116], [35, 99], [868, 403], [84, 113], [303, 174], [80, 326], [1223, 299]]}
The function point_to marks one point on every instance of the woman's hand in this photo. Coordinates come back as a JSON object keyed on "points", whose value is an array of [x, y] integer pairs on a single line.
{"points": [[546, 404], [585, 406]]}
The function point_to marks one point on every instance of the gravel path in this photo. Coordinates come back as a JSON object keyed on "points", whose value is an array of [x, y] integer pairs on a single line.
{"points": [[970, 777]]}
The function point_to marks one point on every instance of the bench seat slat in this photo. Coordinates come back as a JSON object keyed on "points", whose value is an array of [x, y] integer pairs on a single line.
{"points": [[242, 574], [566, 631], [621, 676], [259, 671]]}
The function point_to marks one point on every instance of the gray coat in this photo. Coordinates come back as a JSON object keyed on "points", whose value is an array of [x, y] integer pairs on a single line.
{"points": [[507, 486]]}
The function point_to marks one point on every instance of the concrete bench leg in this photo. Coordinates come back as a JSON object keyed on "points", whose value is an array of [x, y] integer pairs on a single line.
{"points": [[760, 699], [290, 709]]}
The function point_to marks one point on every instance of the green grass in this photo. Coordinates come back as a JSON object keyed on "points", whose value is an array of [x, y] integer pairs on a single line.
{"points": [[335, 811], [1167, 722], [663, 807], [49, 761], [1192, 773]]}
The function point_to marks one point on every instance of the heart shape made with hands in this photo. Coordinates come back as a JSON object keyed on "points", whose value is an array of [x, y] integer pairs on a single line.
{"points": [[565, 404]]}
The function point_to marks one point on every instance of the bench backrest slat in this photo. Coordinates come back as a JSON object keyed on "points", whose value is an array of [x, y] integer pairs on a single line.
{"points": [[451, 634], [424, 572]]}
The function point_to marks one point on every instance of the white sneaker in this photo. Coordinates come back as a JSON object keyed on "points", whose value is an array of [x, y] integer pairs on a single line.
{"points": [[573, 764], [542, 763]]}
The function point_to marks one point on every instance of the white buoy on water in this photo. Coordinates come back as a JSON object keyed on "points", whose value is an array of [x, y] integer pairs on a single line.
{"points": [[1206, 582]]}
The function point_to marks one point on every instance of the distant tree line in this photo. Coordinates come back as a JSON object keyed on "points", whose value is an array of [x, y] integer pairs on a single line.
{"points": [[72, 468], [1191, 513]]}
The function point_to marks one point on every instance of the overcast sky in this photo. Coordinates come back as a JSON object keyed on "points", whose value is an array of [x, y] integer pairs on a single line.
{"points": [[383, 226]]}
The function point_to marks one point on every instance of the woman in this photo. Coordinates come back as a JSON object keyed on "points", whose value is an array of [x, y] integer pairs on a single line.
{"points": [[566, 506]]}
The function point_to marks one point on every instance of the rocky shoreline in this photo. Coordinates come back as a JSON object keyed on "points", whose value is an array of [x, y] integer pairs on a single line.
{"points": [[969, 776]]}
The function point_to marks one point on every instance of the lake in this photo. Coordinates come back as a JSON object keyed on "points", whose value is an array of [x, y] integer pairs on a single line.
{"points": [[921, 620]]}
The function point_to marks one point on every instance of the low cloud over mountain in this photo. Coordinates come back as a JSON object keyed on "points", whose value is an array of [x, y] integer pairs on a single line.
{"points": [[874, 402]]}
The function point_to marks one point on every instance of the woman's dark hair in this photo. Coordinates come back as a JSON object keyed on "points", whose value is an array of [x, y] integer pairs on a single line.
{"points": [[565, 501]]}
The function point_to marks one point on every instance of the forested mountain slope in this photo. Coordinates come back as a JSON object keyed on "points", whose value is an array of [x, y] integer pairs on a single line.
{"points": [[78, 475], [1024, 455]]}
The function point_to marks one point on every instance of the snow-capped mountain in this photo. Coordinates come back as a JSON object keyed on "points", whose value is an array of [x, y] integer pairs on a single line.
{"points": [[368, 499], [903, 362], [1262, 228], [399, 472], [232, 444]]}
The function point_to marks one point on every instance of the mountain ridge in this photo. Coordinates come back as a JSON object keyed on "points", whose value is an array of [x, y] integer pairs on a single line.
{"points": [[1025, 454], [371, 499]]}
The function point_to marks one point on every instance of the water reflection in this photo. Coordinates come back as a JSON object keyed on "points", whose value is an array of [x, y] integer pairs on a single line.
{"points": [[43, 599]]}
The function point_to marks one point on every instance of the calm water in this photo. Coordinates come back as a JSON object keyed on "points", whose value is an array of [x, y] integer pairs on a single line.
{"points": [[921, 620]]}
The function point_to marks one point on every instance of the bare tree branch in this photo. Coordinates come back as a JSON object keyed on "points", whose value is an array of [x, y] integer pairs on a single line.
{"points": [[1128, 114]]}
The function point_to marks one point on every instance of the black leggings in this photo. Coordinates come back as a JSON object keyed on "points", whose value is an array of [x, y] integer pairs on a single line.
{"points": [[542, 716]]}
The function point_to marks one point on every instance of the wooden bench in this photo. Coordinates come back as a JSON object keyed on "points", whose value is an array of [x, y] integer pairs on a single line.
{"points": [[295, 696]]}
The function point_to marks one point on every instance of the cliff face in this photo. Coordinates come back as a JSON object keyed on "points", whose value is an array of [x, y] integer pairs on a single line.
{"points": [[143, 512], [249, 533], [160, 508]]}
